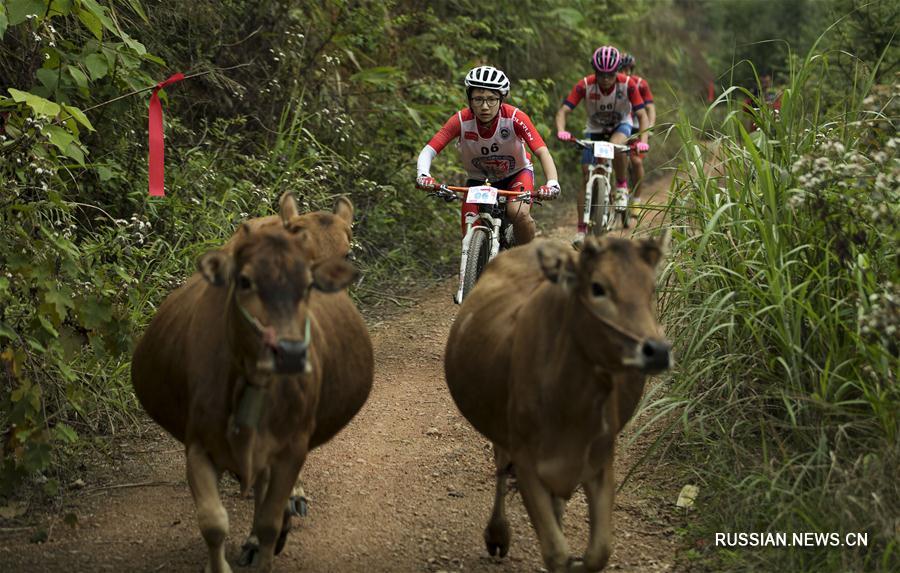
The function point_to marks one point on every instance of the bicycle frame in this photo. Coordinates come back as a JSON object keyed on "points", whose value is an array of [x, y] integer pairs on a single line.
{"points": [[600, 171], [490, 219]]}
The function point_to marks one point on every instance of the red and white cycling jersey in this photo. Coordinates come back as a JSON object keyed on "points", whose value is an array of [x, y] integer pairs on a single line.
{"points": [[494, 151], [606, 111], [644, 89]]}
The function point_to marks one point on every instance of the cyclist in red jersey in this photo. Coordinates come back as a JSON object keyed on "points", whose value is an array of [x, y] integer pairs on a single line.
{"points": [[492, 136], [763, 93], [637, 157], [610, 100]]}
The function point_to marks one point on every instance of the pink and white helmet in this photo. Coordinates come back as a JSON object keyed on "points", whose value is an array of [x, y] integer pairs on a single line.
{"points": [[606, 60]]}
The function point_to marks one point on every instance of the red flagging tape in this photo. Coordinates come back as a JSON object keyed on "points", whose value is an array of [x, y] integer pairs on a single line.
{"points": [[157, 146]]}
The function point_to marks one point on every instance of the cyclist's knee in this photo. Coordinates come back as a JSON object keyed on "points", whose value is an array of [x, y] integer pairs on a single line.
{"points": [[520, 215], [524, 229]]}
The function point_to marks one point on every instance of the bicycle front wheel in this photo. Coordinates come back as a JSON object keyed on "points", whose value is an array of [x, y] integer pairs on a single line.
{"points": [[479, 255], [601, 209]]}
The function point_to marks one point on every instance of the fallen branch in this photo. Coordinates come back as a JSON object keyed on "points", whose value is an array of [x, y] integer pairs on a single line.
{"points": [[130, 485], [381, 294]]}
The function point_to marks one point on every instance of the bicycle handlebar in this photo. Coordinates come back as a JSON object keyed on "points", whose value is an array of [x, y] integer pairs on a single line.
{"points": [[589, 144], [466, 189], [453, 193]]}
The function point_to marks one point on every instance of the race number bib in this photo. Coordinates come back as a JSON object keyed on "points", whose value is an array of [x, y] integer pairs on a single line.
{"points": [[608, 119], [482, 194], [604, 150]]}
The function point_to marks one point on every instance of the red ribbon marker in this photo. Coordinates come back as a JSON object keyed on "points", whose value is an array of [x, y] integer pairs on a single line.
{"points": [[156, 175]]}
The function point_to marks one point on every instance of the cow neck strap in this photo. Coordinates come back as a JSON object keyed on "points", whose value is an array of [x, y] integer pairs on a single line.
{"points": [[612, 326]]}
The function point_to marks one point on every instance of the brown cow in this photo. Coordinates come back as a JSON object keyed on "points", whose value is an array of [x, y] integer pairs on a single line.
{"points": [[330, 234], [547, 358], [256, 360]]}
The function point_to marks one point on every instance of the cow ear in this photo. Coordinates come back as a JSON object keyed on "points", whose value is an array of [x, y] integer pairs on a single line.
{"points": [[655, 250], [343, 208], [288, 207], [215, 266], [334, 274], [557, 262]]}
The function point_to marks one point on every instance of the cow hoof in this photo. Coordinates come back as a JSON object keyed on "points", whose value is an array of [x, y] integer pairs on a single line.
{"points": [[286, 525], [571, 565], [496, 537], [298, 505], [249, 553], [596, 562]]}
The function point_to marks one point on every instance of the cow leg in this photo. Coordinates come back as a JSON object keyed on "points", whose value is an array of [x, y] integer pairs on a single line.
{"points": [[250, 548], [211, 515], [600, 492], [272, 512], [540, 505], [559, 509], [496, 534]]}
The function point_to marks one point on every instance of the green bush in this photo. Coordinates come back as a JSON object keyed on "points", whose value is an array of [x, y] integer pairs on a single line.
{"points": [[783, 307], [316, 98]]}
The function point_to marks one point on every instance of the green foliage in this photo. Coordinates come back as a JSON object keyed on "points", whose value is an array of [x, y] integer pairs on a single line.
{"points": [[784, 310], [319, 98], [765, 33], [64, 309]]}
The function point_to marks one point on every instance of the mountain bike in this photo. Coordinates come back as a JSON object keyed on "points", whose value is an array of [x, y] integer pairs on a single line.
{"points": [[602, 202], [488, 231]]}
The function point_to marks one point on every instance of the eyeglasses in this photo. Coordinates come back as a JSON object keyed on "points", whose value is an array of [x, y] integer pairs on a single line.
{"points": [[489, 101]]}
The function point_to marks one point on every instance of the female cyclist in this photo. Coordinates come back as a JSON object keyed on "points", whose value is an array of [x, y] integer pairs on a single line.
{"points": [[491, 137], [610, 100]]}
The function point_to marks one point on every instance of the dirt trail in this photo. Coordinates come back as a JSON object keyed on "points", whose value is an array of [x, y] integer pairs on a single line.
{"points": [[407, 486]]}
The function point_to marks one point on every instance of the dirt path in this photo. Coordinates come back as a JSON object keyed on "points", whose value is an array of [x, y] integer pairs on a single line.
{"points": [[407, 486]]}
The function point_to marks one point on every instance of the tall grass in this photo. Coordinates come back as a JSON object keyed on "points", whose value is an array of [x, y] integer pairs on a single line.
{"points": [[785, 310]]}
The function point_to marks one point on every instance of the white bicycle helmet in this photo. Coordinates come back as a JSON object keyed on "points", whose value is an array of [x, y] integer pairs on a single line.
{"points": [[488, 78]]}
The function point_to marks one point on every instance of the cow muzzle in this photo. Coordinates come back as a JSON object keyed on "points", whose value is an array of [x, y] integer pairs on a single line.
{"points": [[280, 355], [651, 356], [290, 356]]}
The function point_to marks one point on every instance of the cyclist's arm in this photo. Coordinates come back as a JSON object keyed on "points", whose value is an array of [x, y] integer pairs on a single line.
{"points": [[549, 167], [423, 164], [644, 122], [445, 135], [572, 100], [647, 96], [526, 131], [651, 114], [637, 106], [561, 116]]}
